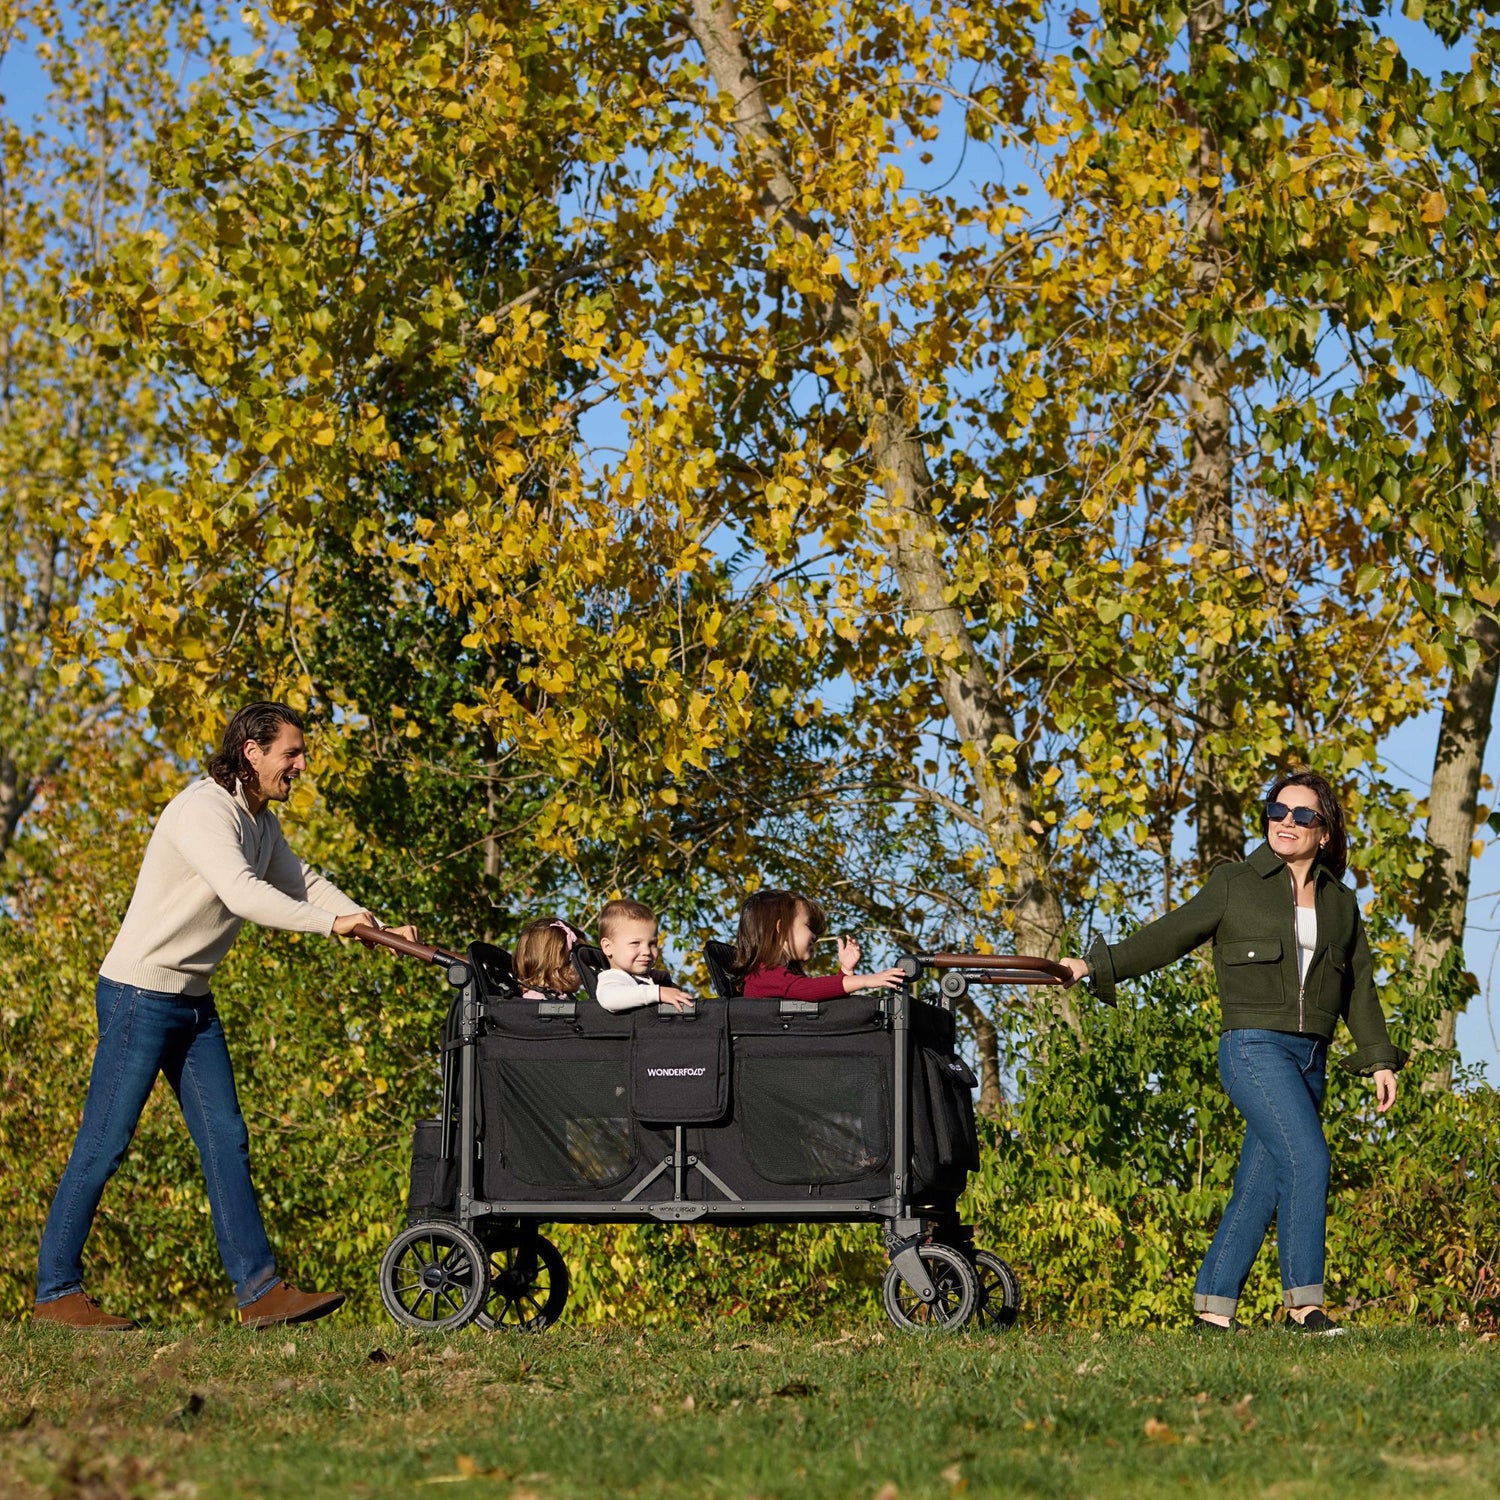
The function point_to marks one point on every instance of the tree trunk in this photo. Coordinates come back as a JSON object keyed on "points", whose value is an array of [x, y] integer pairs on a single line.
{"points": [[987, 1045], [1219, 811], [1452, 800], [915, 546]]}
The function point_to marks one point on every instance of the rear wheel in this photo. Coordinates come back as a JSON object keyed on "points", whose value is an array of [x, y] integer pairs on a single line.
{"points": [[528, 1283], [433, 1277], [999, 1291], [957, 1292]]}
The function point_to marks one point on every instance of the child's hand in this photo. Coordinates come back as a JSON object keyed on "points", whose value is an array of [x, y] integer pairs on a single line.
{"points": [[886, 979], [677, 999], [848, 954]]}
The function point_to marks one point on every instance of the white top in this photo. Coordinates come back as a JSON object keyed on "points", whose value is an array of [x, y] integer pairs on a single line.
{"points": [[1307, 938], [209, 867], [618, 989]]}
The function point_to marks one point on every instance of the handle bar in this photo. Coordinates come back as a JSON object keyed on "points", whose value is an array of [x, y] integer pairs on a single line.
{"points": [[994, 968], [378, 937]]}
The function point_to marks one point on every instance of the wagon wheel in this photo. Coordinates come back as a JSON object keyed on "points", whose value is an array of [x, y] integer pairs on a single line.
{"points": [[957, 1292], [528, 1284], [433, 1277], [999, 1291]]}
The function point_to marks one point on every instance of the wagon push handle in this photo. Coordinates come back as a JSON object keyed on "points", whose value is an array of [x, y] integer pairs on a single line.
{"points": [[378, 937]]}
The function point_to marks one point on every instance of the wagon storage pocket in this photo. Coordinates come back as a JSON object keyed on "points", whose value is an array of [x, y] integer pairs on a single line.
{"points": [[679, 1067]]}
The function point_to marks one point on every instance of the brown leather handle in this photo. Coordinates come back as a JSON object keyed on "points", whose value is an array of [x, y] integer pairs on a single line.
{"points": [[378, 937], [1009, 968]]}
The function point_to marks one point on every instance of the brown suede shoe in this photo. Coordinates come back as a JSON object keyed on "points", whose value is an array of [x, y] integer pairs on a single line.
{"points": [[285, 1304], [79, 1310]]}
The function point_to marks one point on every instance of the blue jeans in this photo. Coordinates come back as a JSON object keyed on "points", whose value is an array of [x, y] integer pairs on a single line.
{"points": [[1276, 1080], [143, 1033]]}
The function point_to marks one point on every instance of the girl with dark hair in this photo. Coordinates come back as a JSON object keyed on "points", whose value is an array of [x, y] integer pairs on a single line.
{"points": [[1291, 958], [778, 931]]}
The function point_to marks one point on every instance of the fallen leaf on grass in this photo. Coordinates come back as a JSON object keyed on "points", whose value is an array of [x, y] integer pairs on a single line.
{"points": [[689, 1403], [378, 1357], [796, 1388], [290, 1347], [753, 1347], [465, 1469], [887, 1492], [954, 1478], [1158, 1431], [185, 1417]]}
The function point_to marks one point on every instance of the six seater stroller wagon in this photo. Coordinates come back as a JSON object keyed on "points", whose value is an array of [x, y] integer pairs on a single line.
{"points": [[739, 1111]]}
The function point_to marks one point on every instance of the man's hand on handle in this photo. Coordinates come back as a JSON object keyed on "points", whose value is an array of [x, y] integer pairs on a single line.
{"points": [[343, 926]]}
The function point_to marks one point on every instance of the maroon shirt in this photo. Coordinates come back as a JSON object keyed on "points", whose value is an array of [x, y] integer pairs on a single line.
{"points": [[779, 983]]}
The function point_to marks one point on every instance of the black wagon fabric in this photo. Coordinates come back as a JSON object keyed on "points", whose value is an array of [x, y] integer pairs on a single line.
{"points": [[814, 1117], [562, 1109], [434, 1179], [945, 1142], [679, 1066]]}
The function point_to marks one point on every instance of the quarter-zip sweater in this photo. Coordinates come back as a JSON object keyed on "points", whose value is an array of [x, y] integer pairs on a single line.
{"points": [[1249, 912], [211, 865]]}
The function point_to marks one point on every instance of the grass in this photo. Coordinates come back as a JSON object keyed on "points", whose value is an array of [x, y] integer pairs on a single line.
{"points": [[368, 1410]]}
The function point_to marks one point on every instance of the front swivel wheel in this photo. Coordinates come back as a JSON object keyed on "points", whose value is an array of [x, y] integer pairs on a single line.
{"points": [[434, 1277], [954, 1281]]}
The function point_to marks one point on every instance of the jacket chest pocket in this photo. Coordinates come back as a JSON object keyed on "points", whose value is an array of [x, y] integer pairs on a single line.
{"points": [[1250, 975], [1335, 983], [1250, 951]]}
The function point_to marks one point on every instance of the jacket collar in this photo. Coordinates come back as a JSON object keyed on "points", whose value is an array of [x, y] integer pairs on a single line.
{"points": [[1266, 862]]}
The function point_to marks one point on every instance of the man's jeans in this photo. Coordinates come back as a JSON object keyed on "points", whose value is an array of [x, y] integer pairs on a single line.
{"points": [[143, 1033], [1276, 1080]]}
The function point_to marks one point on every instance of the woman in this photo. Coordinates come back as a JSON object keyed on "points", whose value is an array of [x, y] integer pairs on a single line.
{"points": [[1291, 957]]}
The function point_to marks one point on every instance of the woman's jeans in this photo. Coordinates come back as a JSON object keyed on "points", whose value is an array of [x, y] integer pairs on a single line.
{"points": [[143, 1033], [1276, 1080]]}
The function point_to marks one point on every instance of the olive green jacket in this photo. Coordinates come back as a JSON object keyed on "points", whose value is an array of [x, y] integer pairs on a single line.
{"points": [[1249, 911]]}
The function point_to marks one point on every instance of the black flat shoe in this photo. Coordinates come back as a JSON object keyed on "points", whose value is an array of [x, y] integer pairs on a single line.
{"points": [[1317, 1322], [1206, 1325]]}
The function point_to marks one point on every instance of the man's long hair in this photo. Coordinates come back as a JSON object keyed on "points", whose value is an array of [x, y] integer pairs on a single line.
{"points": [[261, 722]]}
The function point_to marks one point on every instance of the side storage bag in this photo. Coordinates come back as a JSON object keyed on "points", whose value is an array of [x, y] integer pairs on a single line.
{"points": [[679, 1066], [434, 1179]]}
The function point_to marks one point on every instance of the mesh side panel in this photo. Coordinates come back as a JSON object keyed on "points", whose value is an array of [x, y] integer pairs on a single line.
{"points": [[566, 1120], [820, 1119]]}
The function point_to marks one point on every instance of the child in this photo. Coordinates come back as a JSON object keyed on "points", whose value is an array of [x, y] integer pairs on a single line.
{"points": [[777, 932], [544, 964], [628, 936]]}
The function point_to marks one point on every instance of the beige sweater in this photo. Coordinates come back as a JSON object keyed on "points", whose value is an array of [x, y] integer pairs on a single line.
{"points": [[209, 867]]}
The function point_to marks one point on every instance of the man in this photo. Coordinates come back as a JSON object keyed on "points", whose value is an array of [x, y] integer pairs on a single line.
{"points": [[216, 858]]}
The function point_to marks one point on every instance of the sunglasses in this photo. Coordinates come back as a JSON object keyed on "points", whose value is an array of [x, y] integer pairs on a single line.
{"points": [[1303, 817]]}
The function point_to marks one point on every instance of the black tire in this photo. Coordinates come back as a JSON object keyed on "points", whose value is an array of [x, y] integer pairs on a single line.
{"points": [[433, 1277], [957, 1293], [528, 1284], [999, 1291]]}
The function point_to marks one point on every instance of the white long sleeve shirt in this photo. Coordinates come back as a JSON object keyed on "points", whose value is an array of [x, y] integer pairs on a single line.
{"points": [[209, 867], [618, 989]]}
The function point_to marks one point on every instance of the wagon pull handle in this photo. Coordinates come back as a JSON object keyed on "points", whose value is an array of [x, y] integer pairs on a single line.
{"points": [[377, 937], [1006, 968]]}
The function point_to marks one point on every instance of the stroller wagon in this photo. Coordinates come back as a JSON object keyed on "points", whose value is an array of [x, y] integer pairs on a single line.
{"points": [[738, 1111]]}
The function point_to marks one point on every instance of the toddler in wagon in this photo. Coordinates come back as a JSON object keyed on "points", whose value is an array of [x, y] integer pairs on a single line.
{"points": [[778, 930], [543, 962], [628, 936]]}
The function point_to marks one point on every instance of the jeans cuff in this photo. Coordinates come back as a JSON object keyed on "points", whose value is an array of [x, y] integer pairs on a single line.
{"points": [[1304, 1296], [1223, 1305], [259, 1292]]}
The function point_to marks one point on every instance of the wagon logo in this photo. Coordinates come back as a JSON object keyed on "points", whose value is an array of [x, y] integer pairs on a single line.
{"points": [[675, 1072]]}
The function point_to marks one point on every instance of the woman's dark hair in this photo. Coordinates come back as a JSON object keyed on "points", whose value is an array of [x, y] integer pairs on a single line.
{"points": [[765, 925], [1335, 853], [260, 722]]}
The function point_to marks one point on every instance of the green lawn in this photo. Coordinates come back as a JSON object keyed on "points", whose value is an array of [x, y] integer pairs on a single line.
{"points": [[369, 1410]]}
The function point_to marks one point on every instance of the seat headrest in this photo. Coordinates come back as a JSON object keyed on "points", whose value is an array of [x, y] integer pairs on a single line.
{"points": [[719, 956], [589, 963]]}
